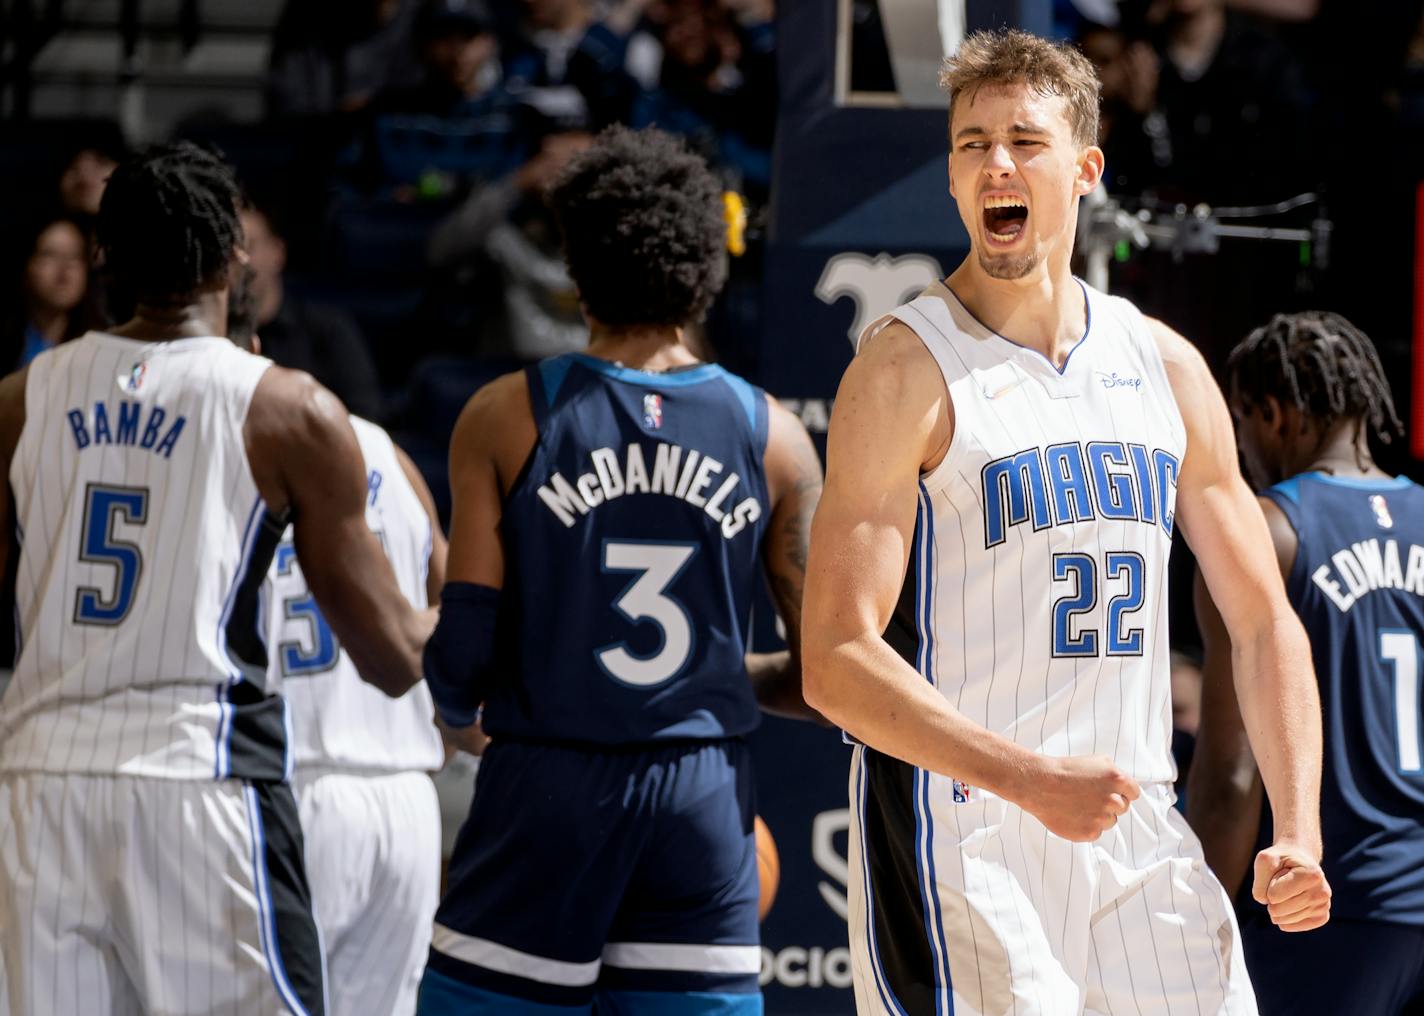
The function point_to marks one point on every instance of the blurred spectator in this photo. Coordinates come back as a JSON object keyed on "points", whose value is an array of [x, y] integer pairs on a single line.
{"points": [[561, 53], [459, 122], [717, 84], [322, 341], [52, 276], [1224, 117], [501, 246], [334, 56], [82, 181]]}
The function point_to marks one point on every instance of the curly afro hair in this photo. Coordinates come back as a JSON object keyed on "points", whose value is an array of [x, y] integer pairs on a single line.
{"points": [[644, 229], [168, 223]]}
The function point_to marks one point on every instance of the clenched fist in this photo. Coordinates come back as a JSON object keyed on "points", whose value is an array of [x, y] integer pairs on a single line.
{"points": [[1292, 886], [1081, 797]]}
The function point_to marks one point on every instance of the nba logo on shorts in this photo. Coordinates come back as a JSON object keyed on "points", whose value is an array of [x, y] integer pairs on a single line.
{"points": [[1382, 515], [961, 792], [652, 411]]}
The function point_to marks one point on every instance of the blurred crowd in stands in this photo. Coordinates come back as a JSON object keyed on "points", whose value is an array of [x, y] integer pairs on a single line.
{"points": [[402, 253]]}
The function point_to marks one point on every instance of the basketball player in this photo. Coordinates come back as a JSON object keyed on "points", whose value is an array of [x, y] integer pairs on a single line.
{"points": [[613, 512], [150, 857], [1030, 444], [1307, 390], [368, 809]]}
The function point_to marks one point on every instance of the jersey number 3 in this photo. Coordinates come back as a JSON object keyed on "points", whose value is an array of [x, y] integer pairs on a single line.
{"points": [[646, 599], [103, 507]]}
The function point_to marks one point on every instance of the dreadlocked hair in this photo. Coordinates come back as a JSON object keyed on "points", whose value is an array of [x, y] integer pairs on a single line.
{"points": [[1322, 364], [168, 222]]}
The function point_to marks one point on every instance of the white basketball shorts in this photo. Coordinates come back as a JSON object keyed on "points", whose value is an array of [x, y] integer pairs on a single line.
{"points": [[963, 903], [373, 851], [122, 894]]}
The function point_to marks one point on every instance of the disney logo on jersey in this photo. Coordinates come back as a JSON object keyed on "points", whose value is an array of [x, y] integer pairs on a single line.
{"points": [[685, 474], [1116, 380], [652, 411], [1072, 482]]}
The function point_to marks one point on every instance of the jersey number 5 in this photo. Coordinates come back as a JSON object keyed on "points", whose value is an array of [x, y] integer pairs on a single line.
{"points": [[103, 506], [646, 599]]}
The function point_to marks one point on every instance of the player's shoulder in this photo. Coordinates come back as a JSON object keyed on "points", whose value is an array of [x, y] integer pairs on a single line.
{"points": [[894, 373], [505, 396]]}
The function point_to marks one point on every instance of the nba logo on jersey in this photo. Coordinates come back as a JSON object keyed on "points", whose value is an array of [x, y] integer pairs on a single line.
{"points": [[1382, 515], [652, 411], [133, 380], [961, 792]]}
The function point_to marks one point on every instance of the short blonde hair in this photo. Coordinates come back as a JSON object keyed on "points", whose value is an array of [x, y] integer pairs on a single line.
{"points": [[1013, 57]]}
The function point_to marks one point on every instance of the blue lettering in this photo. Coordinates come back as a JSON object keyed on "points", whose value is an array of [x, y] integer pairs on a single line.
{"points": [[165, 447], [1115, 498], [1166, 472], [373, 486], [1022, 475], [128, 423], [150, 433], [101, 425], [1068, 480], [81, 433], [1143, 470]]}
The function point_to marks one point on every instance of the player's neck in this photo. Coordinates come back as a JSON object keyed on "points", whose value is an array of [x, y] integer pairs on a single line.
{"points": [[1344, 451], [207, 315], [1045, 311], [650, 349]]}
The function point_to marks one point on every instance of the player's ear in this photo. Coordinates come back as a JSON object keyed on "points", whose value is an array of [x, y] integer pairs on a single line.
{"points": [[1272, 415], [1090, 171]]}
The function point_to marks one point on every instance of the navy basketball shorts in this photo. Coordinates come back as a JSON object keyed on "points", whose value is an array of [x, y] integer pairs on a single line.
{"points": [[625, 878], [1363, 968]]}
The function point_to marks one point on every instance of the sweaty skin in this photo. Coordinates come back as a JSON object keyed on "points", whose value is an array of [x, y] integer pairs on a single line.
{"points": [[894, 420]]}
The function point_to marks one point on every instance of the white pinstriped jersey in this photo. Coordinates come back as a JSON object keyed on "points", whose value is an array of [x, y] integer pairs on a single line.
{"points": [[338, 720], [143, 543], [1045, 534]]}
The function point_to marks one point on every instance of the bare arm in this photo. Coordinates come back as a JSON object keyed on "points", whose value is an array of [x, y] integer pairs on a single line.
{"points": [[793, 474], [439, 548], [892, 419], [1270, 657], [12, 421], [492, 438], [305, 458], [1223, 786]]}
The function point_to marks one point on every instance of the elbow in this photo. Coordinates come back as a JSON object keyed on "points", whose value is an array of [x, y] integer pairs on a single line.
{"points": [[818, 685]]}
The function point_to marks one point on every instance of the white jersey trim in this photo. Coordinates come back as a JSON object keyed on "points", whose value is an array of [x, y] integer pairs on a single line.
{"points": [[481, 952], [705, 959]]}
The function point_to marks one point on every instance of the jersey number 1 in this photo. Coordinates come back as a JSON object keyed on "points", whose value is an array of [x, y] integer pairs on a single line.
{"points": [[1401, 648], [646, 599]]}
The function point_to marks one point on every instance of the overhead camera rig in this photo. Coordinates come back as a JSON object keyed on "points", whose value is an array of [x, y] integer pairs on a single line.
{"points": [[1107, 231]]}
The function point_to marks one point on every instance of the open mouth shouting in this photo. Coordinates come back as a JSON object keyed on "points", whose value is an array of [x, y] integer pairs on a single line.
{"points": [[1005, 218]]}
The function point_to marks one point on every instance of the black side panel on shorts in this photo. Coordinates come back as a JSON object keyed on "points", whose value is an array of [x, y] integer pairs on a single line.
{"points": [[899, 923], [297, 941], [257, 735]]}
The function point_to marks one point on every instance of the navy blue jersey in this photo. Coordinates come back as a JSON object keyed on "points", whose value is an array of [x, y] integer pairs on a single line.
{"points": [[632, 544], [1358, 586]]}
